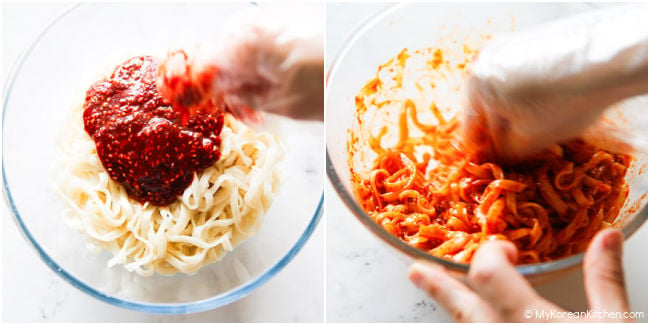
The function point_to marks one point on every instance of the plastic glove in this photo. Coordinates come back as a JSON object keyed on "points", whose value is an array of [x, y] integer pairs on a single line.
{"points": [[536, 87], [270, 59]]}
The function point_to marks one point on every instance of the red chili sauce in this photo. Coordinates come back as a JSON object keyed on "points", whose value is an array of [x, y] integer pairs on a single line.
{"points": [[188, 88], [146, 145]]}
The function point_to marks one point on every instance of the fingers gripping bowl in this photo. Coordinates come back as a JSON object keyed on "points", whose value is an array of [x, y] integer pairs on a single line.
{"points": [[389, 34], [50, 81]]}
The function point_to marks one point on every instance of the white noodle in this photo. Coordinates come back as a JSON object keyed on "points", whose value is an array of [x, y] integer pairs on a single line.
{"points": [[223, 205]]}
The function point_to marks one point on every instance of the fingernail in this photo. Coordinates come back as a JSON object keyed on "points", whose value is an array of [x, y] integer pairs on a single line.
{"points": [[614, 242], [415, 275]]}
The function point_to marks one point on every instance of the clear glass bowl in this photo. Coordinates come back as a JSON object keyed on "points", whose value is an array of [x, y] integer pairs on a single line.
{"points": [[79, 47], [384, 34]]}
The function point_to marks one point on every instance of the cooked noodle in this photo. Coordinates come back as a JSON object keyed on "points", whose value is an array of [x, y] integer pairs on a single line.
{"points": [[223, 205], [423, 187]]}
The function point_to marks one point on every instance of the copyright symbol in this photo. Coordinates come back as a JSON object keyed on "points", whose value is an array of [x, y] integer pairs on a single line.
{"points": [[528, 313]]}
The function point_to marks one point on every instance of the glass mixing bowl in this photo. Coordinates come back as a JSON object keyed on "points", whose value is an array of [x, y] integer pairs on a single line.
{"points": [[385, 33], [81, 46]]}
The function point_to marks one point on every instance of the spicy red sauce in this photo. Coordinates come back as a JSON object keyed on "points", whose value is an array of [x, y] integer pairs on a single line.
{"points": [[188, 88], [146, 145], [193, 88]]}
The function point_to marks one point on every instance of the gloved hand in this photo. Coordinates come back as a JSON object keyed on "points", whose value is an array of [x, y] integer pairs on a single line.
{"points": [[536, 87], [270, 59]]}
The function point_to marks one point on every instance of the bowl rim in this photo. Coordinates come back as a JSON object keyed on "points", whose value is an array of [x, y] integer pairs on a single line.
{"points": [[528, 270], [157, 308]]}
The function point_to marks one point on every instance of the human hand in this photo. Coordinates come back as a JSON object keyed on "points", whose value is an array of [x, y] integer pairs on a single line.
{"points": [[270, 59], [532, 88], [496, 292]]}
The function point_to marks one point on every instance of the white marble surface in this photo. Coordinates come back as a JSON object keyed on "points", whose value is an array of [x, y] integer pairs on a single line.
{"points": [[366, 282], [31, 292]]}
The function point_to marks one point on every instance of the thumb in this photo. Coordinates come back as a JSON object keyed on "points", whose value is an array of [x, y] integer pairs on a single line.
{"points": [[494, 277], [603, 270]]}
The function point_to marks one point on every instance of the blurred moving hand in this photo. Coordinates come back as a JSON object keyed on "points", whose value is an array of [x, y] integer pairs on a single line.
{"points": [[540, 86], [268, 60], [496, 292]]}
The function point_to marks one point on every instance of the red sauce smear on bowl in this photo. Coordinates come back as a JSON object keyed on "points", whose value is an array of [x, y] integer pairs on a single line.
{"points": [[146, 145]]}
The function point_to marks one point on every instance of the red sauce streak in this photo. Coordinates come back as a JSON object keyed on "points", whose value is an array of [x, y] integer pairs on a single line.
{"points": [[150, 148], [194, 88], [188, 89]]}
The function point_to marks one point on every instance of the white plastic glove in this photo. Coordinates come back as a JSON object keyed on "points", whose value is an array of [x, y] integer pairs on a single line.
{"points": [[270, 59], [536, 87]]}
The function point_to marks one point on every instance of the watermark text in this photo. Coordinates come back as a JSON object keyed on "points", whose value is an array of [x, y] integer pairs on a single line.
{"points": [[591, 314]]}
